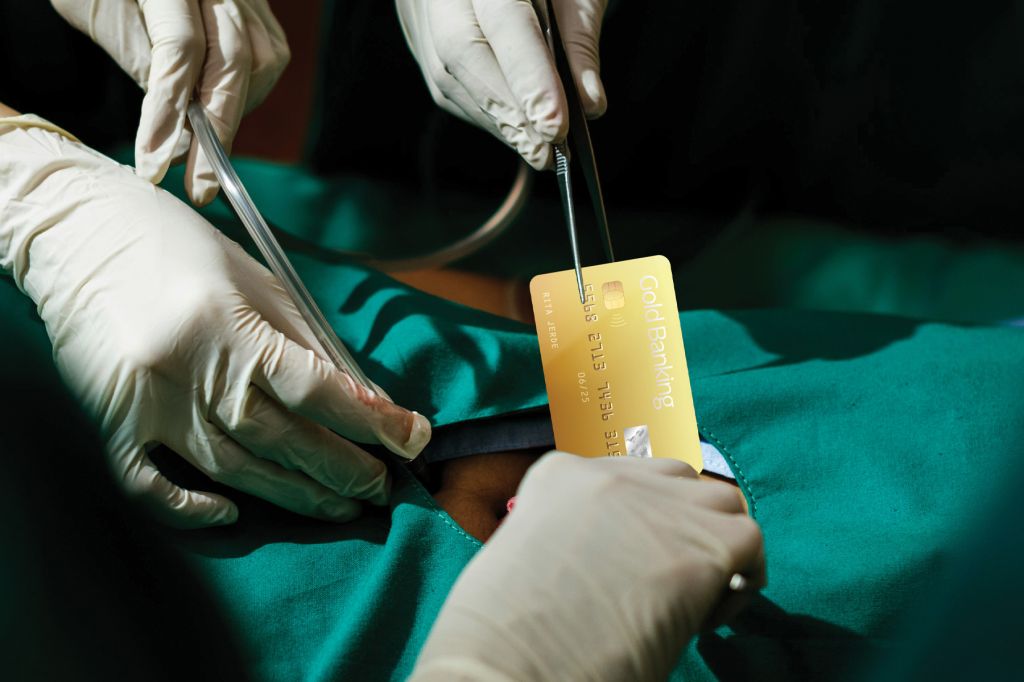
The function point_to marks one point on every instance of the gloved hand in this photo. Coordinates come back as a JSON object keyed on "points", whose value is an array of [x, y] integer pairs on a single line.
{"points": [[230, 53], [487, 62], [168, 332], [603, 571]]}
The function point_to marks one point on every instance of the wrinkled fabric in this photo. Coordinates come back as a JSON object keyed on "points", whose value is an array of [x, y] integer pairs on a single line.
{"points": [[810, 425], [847, 433]]}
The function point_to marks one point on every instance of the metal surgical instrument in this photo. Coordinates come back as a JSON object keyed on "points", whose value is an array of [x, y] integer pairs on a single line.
{"points": [[272, 251], [579, 140]]}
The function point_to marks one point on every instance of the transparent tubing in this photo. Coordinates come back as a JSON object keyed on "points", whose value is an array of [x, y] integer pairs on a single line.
{"points": [[483, 235], [272, 251]]}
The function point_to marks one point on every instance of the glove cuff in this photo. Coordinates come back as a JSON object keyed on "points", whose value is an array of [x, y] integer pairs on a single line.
{"points": [[33, 121], [28, 145]]}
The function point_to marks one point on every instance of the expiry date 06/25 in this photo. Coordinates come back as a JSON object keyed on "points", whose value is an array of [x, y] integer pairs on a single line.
{"points": [[603, 393]]}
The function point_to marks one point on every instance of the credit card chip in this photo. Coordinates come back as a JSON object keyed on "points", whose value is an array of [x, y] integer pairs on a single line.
{"points": [[614, 296]]}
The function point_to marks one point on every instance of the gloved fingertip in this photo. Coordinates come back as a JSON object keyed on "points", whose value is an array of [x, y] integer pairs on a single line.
{"points": [[595, 103], [527, 144], [413, 443], [208, 512], [342, 510], [666, 466], [540, 158], [154, 153], [383, 495], [226, 516], [549, 121], [148, 167], [419, 435], [200, 180], [203, 192], [374, 485]]}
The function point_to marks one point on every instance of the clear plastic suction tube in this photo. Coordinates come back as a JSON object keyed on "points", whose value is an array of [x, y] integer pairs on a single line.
{"points": [[271, 249]]}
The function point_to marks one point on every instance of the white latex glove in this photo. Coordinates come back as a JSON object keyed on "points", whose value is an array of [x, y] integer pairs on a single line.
{"points": [[230, 53], [487, 62], [603, 571], [168, 332]]}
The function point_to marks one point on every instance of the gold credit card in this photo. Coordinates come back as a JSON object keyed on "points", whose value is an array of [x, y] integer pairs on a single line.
{"points": [[614, 366]]}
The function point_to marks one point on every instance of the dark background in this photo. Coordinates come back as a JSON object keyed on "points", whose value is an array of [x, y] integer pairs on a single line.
{"points": [[891, 116]]}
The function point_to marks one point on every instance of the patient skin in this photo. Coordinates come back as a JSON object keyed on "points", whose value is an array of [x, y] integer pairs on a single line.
{"points": [[475, 490]]}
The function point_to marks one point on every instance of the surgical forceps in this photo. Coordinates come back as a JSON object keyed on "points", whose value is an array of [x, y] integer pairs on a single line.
{"points": [[579, 140]]}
